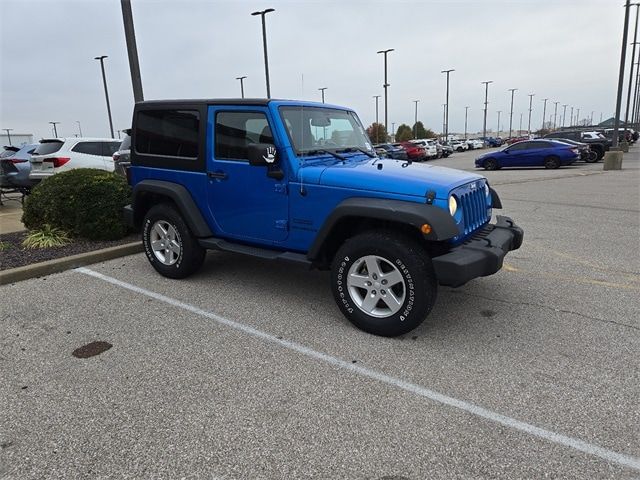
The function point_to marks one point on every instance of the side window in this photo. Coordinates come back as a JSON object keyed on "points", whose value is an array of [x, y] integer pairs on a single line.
{"points": [[168, 133], [234, 131], [519, 146], [109, 148], [540, 144], [88, 148]]}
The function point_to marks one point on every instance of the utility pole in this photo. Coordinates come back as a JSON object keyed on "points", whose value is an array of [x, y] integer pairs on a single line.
{"points": [[564, 114], [486, 96], [512, 90], [79, 127], [623, 56], [8, 130], [544, 111], [132, 50], [322, 89], [466, 110], [555, 114], [386, 87], [415, 125], [531, 95], [106, 92], [377, 124], [55, 130], [446, 115], [241, 84], [264, 45]]}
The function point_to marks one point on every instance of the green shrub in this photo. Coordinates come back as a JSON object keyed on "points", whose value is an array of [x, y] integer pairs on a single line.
{"points": [[83, 202], [46, 237]]}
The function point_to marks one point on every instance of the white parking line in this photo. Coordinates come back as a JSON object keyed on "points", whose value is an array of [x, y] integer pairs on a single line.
{"points": [[608, 455]]}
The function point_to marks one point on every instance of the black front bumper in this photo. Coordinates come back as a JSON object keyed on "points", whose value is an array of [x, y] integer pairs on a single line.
{"points": [[481, 255]]}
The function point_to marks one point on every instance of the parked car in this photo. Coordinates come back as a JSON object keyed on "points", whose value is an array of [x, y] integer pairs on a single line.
{"points": [[492, 141], [391, 151], [55, 155], [586, 154], [15, 169], [596, 142], [475, 144], [623, 134], [459, 145], [414, 151], [446, 149], [122, 158], [530, 153], [249, 176], [428, 145]]}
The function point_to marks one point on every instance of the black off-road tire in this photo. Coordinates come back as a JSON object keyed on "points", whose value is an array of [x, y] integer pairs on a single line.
{"points": [[191, 254], [412, 263], [490, 164], [552, 162], [593, 157]]}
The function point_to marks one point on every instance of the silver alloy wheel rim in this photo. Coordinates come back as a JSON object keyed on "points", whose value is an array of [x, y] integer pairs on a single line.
{"points": [[165, 242], [376, 286]]}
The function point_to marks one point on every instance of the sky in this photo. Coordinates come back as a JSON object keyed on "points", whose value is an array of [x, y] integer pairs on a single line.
{"points": [[563, 50]]}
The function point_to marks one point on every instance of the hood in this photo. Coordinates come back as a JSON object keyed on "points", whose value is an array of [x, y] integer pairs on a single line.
{"points": [[388, 175]]}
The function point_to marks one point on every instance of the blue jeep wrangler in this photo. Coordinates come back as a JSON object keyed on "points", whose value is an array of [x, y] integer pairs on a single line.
{"points": [[300, 181]]}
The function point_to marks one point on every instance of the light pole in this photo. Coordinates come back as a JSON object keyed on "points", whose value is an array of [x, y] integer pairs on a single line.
{"points": [[393, 131], [415, 125], [623, 56], [571, 117], [106, 92], [386, 86], [79, 127], [446, 116], [498, 131], [444, 113], [264, 44], [8, 130], [591, 121], [55, 130], [512, 90], [564, 114], [486, 96], [377, 97], [520, 129], [132, 50], [466, 110], [531, 95], [636, 95], [633, 54], [555, 114], [241, 84], [544, 111], [578, 118], [322, 89]]}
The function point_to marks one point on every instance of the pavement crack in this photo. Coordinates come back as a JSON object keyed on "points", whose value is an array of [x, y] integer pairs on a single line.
{"points": [[539, 305]]}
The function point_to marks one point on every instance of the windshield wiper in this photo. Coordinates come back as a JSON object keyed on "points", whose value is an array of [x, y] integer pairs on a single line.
{"points": [[328, 152], [361, 150]]}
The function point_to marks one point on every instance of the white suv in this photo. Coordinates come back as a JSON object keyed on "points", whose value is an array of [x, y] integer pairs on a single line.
{"points": [[55, 155], [428, 145], [459, 145]]}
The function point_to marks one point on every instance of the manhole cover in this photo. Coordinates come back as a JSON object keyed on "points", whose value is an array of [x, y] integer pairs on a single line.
{"points": [[91, 349]]}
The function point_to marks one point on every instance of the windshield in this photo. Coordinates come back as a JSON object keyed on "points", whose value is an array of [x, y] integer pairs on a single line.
{"points": [[314, 128]]}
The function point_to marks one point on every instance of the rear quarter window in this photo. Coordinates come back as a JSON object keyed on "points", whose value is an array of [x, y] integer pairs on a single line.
{"points": [[168, 133], [46, 148]]}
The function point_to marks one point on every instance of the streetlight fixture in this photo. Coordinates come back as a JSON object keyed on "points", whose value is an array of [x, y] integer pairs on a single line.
{"points": [[79, 127], [241, 84], [55, 130], [512, 90], [8, 130], [446, 115], [531, 95], [544, 111], [386, 86], [415, 125], [322, 89], [106, 92], [486, 96], [466, 111], [264, 44], [377, 97]]}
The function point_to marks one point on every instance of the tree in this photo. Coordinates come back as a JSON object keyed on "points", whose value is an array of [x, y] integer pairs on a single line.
{"points": [[430, 133], [418, 129], [404, 133], [377, 133]]}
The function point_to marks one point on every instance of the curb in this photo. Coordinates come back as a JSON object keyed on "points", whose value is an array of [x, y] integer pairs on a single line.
{"points": [[41, 269]]}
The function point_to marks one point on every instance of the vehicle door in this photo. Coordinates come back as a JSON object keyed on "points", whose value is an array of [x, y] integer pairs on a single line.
{"points": [[246, 201], [517, 156]]}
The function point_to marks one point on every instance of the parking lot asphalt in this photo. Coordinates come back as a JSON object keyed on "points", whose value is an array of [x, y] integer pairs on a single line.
{"points": [[248, 369]]}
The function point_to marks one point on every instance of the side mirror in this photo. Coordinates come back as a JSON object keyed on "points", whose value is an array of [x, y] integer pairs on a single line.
{"points": [[262, 154]]}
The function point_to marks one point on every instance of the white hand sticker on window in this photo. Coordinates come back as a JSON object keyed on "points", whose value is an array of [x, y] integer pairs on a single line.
{"points": [[271, 155]]}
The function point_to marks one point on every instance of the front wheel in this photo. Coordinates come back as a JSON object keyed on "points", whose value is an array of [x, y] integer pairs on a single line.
{"points": [[490, 164], [170, 246], [383, 283]]}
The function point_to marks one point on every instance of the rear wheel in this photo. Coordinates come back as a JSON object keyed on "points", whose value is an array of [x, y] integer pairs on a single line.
{"points": [[170, 246], [383, 283], [593, 157], [551, 162], [490, 164]]}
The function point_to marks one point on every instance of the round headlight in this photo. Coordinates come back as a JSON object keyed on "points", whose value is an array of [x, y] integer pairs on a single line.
{"points": [[453, 205], [486, 189]]}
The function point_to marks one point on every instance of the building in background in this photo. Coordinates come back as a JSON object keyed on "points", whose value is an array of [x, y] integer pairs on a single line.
{"points": [[17, 139]]}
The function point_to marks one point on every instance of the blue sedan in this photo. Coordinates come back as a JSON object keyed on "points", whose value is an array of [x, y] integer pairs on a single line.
{"points": [[530, 153]]}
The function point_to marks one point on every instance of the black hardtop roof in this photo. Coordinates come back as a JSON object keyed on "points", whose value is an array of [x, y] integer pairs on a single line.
{"points": [[208, 101]]}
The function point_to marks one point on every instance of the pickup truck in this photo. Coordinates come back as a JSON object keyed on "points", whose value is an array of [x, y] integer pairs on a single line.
{"points": [[300, 182]]}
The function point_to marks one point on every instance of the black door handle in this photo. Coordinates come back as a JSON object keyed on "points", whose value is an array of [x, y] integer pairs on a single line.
{"points": [[219, 175]]}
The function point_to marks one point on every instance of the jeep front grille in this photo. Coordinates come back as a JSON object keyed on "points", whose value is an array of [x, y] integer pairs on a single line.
{"points": [[474, 209]]}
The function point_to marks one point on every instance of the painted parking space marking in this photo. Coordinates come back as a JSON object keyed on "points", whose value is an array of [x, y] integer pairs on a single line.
{"points": [[548, 435]]}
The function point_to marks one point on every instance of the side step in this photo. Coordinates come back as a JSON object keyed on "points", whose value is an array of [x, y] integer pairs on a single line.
{"points": [[213, 243]]}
